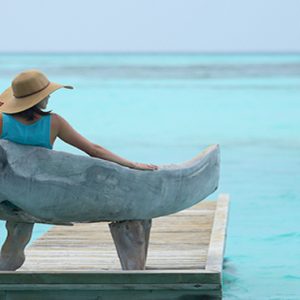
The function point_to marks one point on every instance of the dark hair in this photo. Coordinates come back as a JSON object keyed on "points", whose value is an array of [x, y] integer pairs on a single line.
{"points": [[29, 113]]}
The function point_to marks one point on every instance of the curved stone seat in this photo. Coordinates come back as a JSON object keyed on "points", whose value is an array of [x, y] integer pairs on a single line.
{"points": [[56, 187], [38, 185]]}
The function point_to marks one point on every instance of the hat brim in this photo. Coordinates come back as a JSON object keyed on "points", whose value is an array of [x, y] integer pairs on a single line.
{"points": [[10, 104]]}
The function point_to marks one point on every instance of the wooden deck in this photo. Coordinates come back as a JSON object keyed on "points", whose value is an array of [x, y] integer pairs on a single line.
{"points": [[185, 258]]}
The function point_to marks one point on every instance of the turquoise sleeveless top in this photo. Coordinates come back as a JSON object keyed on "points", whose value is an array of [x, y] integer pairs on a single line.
{"points": [[36, 134]]}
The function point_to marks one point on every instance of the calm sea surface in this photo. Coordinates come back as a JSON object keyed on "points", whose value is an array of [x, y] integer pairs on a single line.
{"points": [[166, 108]]}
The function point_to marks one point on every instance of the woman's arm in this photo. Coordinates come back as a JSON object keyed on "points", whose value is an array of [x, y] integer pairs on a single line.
{"points": [[69, 135]]}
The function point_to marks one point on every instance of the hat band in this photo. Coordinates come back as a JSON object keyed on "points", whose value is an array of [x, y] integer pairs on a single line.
{"points": [[27, 95]]}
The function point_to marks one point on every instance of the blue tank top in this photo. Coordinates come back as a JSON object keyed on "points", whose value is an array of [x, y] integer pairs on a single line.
{"points": [[36, 134]]}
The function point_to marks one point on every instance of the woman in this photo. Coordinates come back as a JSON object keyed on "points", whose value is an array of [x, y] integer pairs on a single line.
{"points": [[24, 121]]}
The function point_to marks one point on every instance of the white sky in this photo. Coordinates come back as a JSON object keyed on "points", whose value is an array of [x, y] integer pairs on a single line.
{"points": [[150, 25]]}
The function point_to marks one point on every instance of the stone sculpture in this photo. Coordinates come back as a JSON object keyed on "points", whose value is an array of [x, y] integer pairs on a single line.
{"points": [[38, 185]]}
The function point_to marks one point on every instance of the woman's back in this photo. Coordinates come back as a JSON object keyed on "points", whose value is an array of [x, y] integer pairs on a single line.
{"points": [[42, 131]]}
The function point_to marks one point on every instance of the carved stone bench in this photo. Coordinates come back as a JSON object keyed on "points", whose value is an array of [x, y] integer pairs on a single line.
{"points": [[38, 185]]}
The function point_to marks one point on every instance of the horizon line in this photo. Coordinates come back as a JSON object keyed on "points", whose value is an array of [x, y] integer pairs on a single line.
{"points": [[269, 52]]}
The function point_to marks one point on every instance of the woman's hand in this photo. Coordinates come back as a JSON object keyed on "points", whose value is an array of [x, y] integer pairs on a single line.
{"points": [[140, 166]]}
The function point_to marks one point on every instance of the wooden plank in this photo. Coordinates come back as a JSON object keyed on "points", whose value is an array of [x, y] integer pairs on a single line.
{"points": [[136, 285], [111, 294], [111, 277], [156, 286], [218, 236]]}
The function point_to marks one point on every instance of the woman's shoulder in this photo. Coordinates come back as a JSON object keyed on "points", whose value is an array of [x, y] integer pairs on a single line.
{"points": [[56, 117], [59, 119], [59, 122], [55, 122]]}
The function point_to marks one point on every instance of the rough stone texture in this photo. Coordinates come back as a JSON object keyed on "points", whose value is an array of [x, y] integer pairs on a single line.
{"points": [[38, 185], [12, 252], [131, 239]]}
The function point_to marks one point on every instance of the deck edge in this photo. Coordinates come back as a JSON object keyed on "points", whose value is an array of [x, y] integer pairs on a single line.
{"points": [[122, 280], [216, 249]]}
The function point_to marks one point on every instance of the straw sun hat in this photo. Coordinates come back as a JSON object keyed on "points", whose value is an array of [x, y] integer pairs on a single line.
{"points": [[27, 89]]}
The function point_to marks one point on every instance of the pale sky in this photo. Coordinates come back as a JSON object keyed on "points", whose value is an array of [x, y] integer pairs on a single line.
{"points": [[150, 26]]}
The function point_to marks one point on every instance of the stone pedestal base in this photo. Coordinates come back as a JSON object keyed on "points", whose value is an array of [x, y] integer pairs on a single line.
{"points": [[12, 252], [131, 239]]}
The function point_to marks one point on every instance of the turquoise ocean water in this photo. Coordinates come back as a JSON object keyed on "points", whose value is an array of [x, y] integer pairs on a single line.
{"points": [[166, 108]]}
